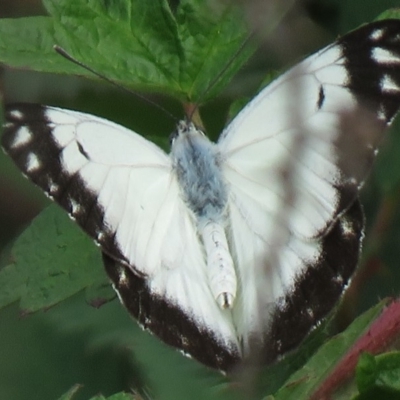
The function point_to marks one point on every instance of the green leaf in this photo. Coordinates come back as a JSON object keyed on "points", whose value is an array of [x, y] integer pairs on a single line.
{"points": [[381, 372], [307, 380], [139, 44], [52, 260], [99, 293], [139, 49], [210, 38], [388, 14], [366, 372], [28, 43], [12, 284]]}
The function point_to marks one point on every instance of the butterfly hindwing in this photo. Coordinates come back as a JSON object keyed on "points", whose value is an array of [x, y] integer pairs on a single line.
{"points": [[317, 286], [171, 323]]}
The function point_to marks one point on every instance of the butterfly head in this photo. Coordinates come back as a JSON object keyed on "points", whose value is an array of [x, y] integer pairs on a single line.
{"points": [[185, 130]]}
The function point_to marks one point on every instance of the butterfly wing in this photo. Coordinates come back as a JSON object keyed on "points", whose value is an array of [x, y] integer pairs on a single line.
{"points": [[101, 173], [121, 189], [307, 114], [295, 158]]}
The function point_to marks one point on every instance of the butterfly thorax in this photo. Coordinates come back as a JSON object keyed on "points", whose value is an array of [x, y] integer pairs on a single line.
{"points": [[197, 167]]}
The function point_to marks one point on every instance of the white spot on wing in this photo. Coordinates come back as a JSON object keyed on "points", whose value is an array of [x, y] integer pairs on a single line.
{"points": [[346, 227], [123, 280], [32, 162], [16, 114], [384, 56], [338, 279], [22, 137], [53, 187], [75, 207], [388, 85], [381, 115], [377, 34], [352, 180], [100, 236]]}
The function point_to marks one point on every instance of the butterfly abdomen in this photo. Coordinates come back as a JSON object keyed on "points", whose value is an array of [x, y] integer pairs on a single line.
{"points": [[221, 271]]}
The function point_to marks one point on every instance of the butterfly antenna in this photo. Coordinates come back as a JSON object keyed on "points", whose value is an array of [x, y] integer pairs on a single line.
{"points": [[221, 73], [68, 56]]}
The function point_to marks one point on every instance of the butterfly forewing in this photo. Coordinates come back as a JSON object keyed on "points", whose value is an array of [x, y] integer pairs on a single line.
{"points": [[90, 178], [305, 115], [293, 161]]}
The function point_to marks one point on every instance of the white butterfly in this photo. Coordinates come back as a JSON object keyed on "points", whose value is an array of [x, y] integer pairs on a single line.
{"points": [[240, 247]]}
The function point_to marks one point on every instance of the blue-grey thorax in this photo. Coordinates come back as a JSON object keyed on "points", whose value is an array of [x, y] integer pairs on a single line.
{"points": [[197, 165]]}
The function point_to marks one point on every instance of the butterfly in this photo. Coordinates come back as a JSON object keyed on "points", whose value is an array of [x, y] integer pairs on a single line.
{"points": [[240, 247]]}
